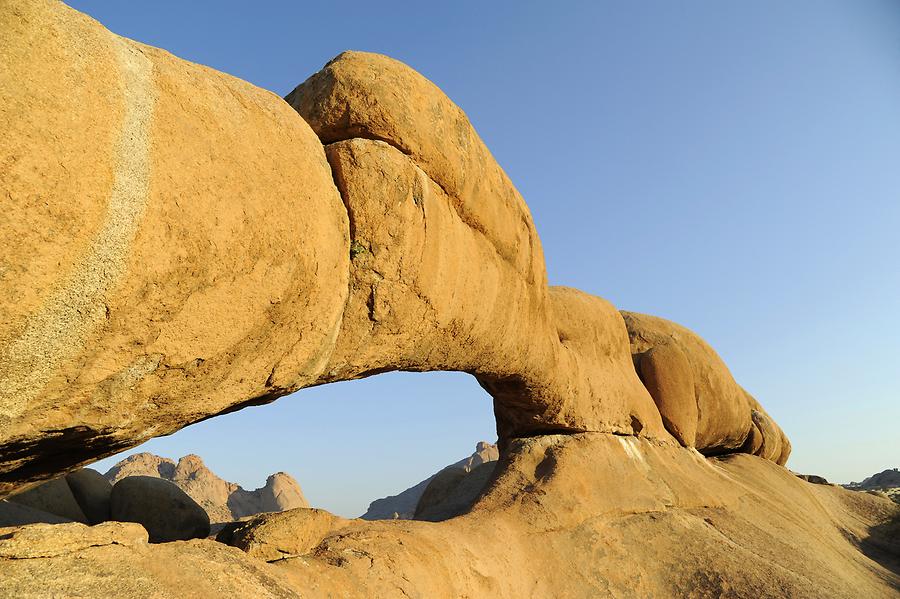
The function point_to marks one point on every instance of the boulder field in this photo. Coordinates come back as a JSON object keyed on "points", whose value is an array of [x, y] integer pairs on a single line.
{"points": [[179, 244]]}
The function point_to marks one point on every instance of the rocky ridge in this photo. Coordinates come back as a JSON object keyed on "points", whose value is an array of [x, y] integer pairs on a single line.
{"points": [[886, 481]]}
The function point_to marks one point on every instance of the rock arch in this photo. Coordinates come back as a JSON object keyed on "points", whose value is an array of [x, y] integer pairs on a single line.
{"points": [[256, 254]]}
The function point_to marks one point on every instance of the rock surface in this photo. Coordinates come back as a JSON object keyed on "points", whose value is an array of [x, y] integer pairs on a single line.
{"points": [[698, 399], [558, 522], [53, 497], [167, 512], [452, 496], [92, 492], [114, 560], [282, 535], [179, 244], [403, 505], [174, 245], [223, 501], [54, 540]]}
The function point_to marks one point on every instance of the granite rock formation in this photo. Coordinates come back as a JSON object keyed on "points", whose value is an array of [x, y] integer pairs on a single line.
{"points": [[223, 501], [53, 497], [80, 496], [398, 245], [453, 492], [559, 520], [173, 244], [163, 509], [403, 505], [179, 244], [699, 401]]}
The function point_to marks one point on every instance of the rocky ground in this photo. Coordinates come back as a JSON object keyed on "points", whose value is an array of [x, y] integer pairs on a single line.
{"points": [[556, 520]]}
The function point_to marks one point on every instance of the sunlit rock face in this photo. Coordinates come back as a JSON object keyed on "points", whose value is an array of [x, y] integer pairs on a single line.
{"points": [[173, 289], [179, 244], [173, 244]]}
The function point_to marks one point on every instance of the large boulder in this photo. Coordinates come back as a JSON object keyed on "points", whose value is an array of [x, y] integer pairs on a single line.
{"points": [[699, 400], [450, 496], [667, 374], [403, 504], [92, 492], [174, 244], [282, 535], [53, 497], [167, 512], [80, 496]]}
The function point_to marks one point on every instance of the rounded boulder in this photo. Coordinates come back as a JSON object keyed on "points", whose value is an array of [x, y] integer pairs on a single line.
{"points": [[92, 492], [167, 512]]}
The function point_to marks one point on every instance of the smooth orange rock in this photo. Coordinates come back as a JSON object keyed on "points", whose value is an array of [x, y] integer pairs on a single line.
{"points": [[724, 410], [174, 245], [667, 374]]}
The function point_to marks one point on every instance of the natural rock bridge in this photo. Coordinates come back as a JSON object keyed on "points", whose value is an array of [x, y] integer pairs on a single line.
{"points": [[179, 244]]}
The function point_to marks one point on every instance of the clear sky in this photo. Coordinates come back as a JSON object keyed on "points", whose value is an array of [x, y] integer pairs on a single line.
{"points": [[734, 167]]}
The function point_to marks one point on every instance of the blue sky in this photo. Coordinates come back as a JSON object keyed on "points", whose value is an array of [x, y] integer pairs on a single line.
{"points": [[730, 166]]}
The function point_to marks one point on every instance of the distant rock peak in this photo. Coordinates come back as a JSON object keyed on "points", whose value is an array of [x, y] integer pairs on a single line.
{"points": [[224, 501]]}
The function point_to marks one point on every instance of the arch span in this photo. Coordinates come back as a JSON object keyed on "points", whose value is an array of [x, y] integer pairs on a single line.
{"points": [[275, 252]]}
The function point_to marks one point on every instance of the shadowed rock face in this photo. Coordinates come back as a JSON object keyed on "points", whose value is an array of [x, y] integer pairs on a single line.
{"points": [[403, 504], [161, 507]]}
